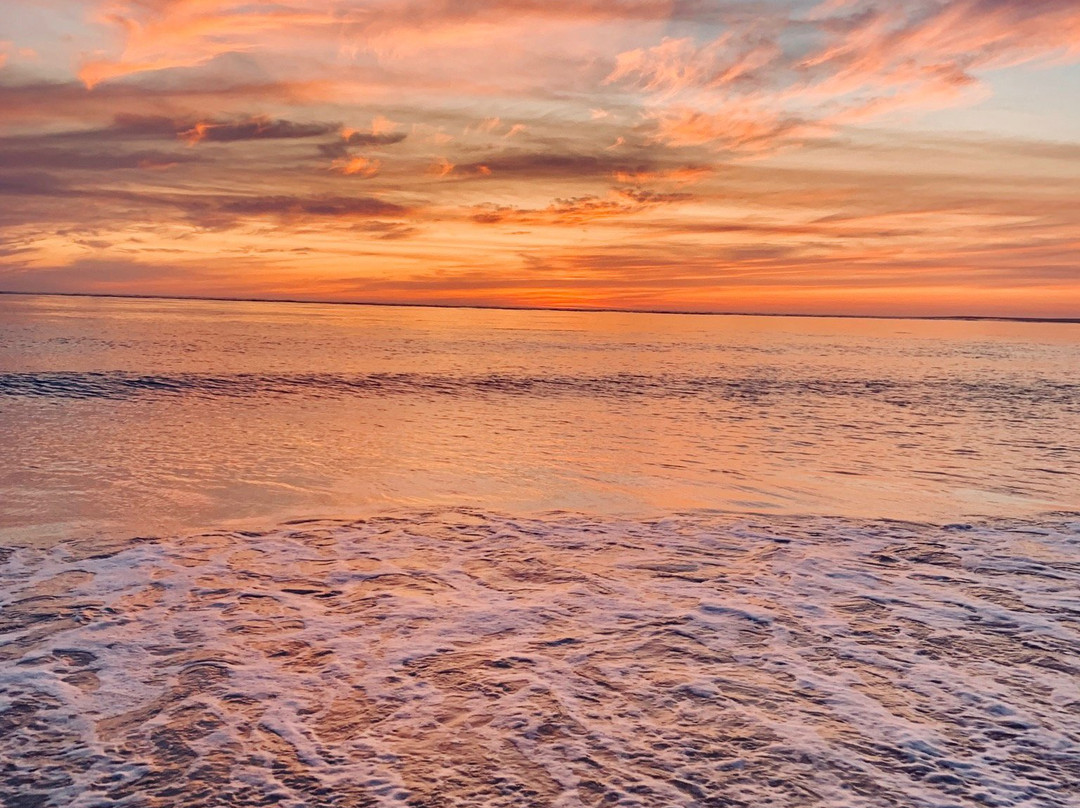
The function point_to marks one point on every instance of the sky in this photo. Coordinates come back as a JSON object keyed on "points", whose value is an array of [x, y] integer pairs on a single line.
{"points": [[896, 157]]}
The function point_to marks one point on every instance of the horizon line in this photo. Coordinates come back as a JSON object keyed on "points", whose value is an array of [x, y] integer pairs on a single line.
{"points": [[580, 309]]}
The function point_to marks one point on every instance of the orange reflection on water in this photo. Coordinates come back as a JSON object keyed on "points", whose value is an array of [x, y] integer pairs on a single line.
{"points": [[149, 416]]}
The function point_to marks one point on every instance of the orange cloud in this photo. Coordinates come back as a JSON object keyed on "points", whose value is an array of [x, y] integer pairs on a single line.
{"points": [[195, 134], [357, 166], [441, 168]]}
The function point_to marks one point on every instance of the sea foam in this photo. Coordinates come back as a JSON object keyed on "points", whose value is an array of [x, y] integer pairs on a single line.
{"points": [[461, 658]]}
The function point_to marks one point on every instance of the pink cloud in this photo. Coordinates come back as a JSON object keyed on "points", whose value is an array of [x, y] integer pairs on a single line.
{"points": [[747, 90], [166, 34]]}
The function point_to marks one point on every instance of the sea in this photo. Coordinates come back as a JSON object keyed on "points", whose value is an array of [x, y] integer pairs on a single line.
{"points": [[301, 555]]}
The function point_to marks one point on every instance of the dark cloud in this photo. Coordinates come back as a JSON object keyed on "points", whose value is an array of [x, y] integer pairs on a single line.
{"points": [[580, 209], [54, 158], [31, 183], [646, 197], [340, 148], [189, 129], [217, 130], [372, 139], [557, 165], [126, 124], [69, 100], [214, 131], [386, 231], [56, 202], [292, 206]]}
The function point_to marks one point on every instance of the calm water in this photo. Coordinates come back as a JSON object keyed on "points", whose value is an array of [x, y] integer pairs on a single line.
{"points": [[137, 417], [285, 555]]}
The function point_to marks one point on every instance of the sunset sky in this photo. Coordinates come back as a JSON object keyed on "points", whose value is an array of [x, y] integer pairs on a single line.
{"points": [[847, 156]]}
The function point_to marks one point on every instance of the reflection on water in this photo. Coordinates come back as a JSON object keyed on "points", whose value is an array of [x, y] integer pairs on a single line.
{"points": [[141, 416], [459, 658]]}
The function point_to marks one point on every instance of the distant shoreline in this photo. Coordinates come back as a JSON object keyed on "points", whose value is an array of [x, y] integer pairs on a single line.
{"points": [[582, 309]]}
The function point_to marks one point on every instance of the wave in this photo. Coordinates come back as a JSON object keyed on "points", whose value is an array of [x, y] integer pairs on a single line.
{"points": [[462, 658], [120, 386]]}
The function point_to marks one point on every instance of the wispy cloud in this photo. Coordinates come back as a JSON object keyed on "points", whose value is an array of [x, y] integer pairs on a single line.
{"points": [[757, 86]]}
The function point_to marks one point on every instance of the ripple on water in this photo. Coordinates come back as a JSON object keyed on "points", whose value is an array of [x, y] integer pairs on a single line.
{"points": [[455, 658]]}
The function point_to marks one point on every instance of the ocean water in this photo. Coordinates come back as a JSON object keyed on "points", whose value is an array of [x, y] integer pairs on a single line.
{"points": [[302, 555], [164, 417]]}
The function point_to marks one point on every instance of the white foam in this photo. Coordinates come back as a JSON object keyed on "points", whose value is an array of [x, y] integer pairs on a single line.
{"points": [[461, 658]]}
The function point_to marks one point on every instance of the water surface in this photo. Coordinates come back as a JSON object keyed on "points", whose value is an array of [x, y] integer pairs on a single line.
{"points": [[309, 556], [151, 416]]}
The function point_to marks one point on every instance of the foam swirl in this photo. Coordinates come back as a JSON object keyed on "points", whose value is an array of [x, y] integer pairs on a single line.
{"points": [[463, 658]]}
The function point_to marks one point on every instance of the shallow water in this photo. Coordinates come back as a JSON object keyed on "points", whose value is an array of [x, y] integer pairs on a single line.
{"points": [[151, 416], [459, 658]]}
